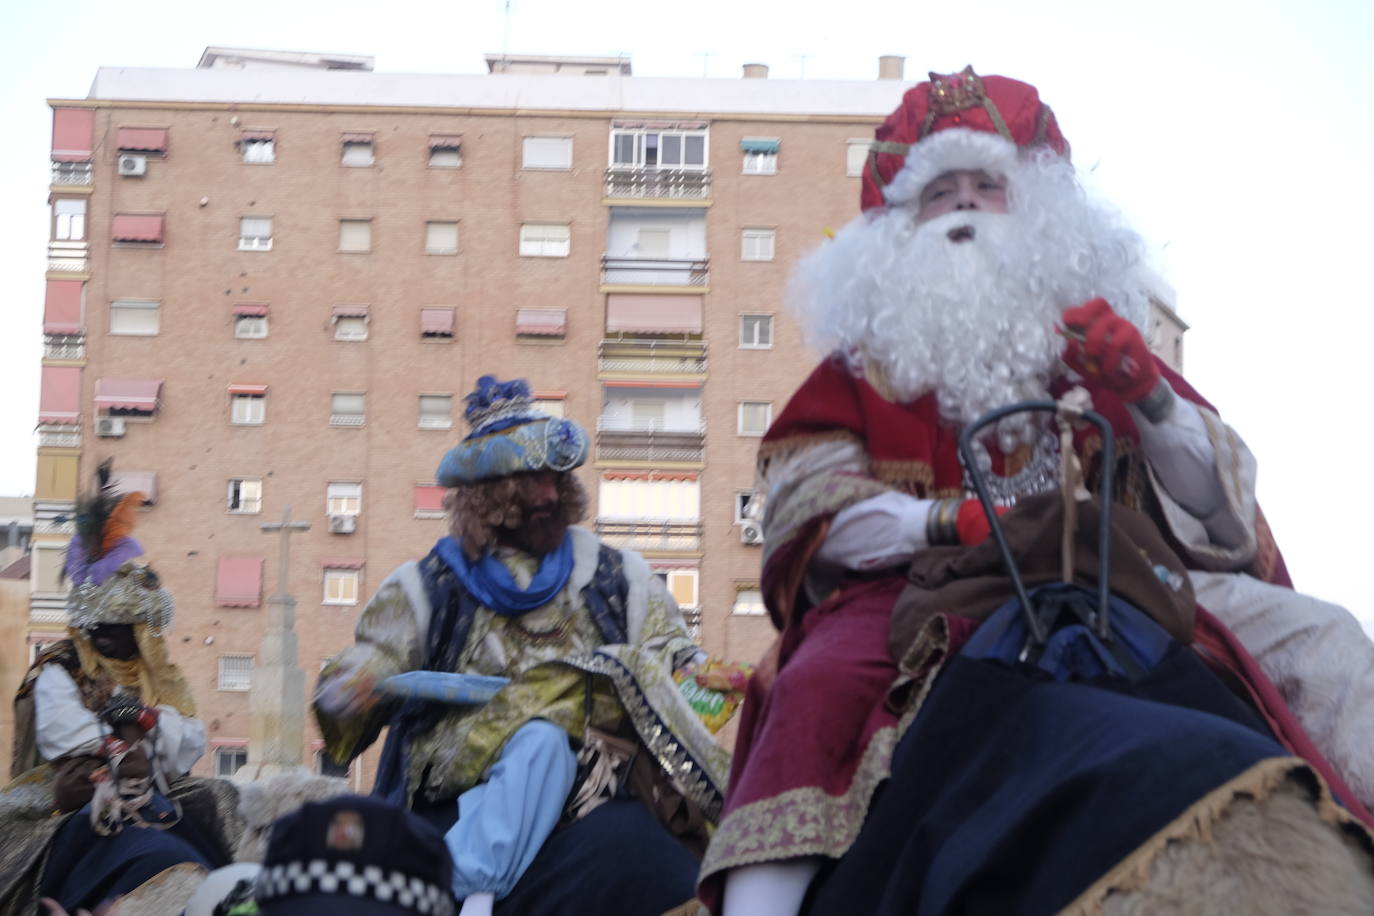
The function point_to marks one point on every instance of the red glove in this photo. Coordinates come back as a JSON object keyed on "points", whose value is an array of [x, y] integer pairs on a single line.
{"points": [[1105, 346], [971, 522]]}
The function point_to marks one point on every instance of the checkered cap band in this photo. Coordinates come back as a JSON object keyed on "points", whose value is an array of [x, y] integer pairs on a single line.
{"points": [[349, 879]]}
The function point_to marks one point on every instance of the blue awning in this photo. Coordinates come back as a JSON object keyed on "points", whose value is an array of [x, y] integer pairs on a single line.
{"points": [[757, 145]]}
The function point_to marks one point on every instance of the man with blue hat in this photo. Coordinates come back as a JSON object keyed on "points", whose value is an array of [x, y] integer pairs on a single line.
{"points": [[582, 781]]}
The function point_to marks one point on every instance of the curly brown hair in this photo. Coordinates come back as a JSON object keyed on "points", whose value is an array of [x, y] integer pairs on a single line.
{"points": [[478, 512]]}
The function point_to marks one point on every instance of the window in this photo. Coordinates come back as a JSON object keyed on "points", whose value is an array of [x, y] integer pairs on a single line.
{"points": [[647, 415], [135, 317], [754, 417], [546, 324], [347, 408], [436, 411], [250, 327], [637, 496], [682, 585], [445, 151], [341, 586], [258, 149], [429, 500], [245, 495], [236, 672], [756, 244], [760, 163], [344, 498], [357, 150], [547, 153], [355, 235], [247, 409], [230, 759], [749, 602], [545, 240], [255, 233], [658, 149], [436, 323], [755, 332], [743, 499], [855, 155], [68, 220], [554, 407], [441, 238], [350, 327]]}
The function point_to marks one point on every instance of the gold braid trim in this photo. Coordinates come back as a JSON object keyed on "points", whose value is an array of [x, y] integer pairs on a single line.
{"points": [[997, 121], [1196, 822], [1042, 124], [784, 448], [908, 476]]}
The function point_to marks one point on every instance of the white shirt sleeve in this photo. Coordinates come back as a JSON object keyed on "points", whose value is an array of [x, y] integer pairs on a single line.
{"points": [[1183, 458], [64, 724], [180, 741], [879, 532]]}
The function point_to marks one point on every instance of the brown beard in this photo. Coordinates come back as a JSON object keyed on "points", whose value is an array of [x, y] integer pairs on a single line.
{"points": [[502, 512]]}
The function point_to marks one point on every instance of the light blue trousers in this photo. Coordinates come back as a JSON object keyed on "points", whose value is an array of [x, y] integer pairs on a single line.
{"points": [[503, 822]]}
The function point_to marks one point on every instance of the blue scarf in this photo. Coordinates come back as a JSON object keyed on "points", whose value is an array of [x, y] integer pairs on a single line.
{"points": [[494, 587]]}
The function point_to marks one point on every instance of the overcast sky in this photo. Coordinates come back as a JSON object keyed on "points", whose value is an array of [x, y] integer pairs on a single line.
{"points": [[1236, 135]]}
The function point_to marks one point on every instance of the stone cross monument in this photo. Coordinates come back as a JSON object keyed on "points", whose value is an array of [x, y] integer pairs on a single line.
{"points": [[278, 697]]}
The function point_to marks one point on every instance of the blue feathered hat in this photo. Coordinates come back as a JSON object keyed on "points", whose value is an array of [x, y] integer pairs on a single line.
{"points": [[509, 436]]}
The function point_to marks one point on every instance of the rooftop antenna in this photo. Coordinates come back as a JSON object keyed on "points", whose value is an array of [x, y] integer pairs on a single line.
{"points": [[801, 59], [705, 61], [505, 40]]}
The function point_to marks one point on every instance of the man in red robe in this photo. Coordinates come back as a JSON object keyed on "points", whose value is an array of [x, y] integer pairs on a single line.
{"points": [[981, 274]]}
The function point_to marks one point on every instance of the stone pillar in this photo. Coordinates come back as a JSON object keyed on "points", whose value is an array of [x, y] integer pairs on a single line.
{"points": [[278, 696]]}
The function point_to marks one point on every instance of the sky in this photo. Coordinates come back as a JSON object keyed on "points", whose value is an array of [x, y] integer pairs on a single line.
{"points": [[1237, 136]]}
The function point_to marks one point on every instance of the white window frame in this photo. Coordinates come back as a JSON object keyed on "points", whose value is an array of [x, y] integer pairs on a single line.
{"points": [[255, 241], [533, 244], [222, 751], [351, 328], [261, 151], [435, 418], [638, 155], [758, 243], [435, 151], [444, 249], [758, 609], [358, 154], [694, 576], [853, 160], [126, 307], [344, 582], [554, 407], [750, 341], [759, 164], [742, 498], [248, 504], [343, 497], [246, 326], [768, 418], [354, 222], [561, 144], [69, 227], [231, 677], [247, 409], [347, 417]]}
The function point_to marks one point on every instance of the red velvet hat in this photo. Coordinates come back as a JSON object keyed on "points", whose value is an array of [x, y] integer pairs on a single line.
{"points": [[955, 121]]}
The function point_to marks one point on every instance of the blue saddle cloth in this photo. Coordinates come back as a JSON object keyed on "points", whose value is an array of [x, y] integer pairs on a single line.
{"points": [[1021, 782]]}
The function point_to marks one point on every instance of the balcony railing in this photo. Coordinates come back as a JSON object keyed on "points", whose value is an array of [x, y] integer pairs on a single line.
{"points": [[71, 173], [691, 427], [64, 346], [632, 439], [59, 436], [347, 419], [662, 184], [679, 357], [655, 271], [650, 534], [67, 257]]}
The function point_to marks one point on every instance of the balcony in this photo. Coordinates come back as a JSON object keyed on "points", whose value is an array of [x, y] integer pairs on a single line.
{"points": [[654, 271], [72, 173], [658, 184], [650, 534], [64, 346], [59, 435], [67, 257], [653, 357], [623, 439]]}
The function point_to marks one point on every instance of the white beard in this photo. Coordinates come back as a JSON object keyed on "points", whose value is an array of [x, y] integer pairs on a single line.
{"points": [[974, 321]]}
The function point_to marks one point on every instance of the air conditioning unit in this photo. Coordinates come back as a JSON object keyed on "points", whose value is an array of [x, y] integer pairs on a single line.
{"points": [[133, 166], [750, 533], [342, 524], [109, 427]]}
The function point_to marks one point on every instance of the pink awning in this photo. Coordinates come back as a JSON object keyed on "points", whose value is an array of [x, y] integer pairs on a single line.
{"points": [[128, 394], [72, 129], [250, 135], [59, 395], [436, 321], [255, 311], [358, 136], [62, 307], [144, 482], [542, 322], [342, 563], [142, 139], [238, 582], [640, 314], [248, 389], [349, 311], [136, 227], [429, 498], [445, 141]]}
